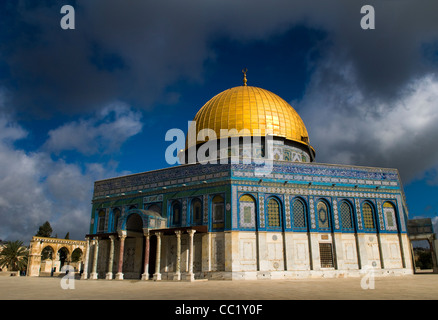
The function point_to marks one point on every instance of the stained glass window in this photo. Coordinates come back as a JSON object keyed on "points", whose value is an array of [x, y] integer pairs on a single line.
{"points": [[101, 221], [247, 211], [196, 211], [323, 215], [346, 215], [176, 213], [218, 209], [273, 213], [247, 215], [367, 213], [389, 211], [116, 215], [299, 214]]}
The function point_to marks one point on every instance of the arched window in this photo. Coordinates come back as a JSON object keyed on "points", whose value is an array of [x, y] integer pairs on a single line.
{"points": [[273, 213], [247, 209], [196, 211], [176, 213], [346, 212], [217, 205], [323, 215], [101, 220], [134, 223], [368, 219], [116, 217], [77, 255], [389, 213], [299, 214], [47, 253]]}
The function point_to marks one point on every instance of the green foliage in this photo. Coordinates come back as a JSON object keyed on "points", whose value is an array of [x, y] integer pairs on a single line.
{"points": [[76, 255], [47, 253], [45, 230], [14, 256], [424, 260]]}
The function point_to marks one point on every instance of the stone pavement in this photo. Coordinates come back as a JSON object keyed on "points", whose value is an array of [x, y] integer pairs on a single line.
{"points": [[412, 287]]}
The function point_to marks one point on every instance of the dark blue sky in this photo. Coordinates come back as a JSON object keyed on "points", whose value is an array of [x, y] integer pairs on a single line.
{"points": [[96, 102]]}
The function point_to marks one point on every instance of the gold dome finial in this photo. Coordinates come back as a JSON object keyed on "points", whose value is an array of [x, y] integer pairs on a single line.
{"points": [[244, 71]]}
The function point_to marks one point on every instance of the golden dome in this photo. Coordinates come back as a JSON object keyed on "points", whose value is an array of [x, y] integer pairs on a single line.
{"points": [[252, 108]]}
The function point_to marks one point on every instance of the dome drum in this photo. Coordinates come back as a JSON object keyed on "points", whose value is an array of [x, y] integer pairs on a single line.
{"points": [[247, 147]]}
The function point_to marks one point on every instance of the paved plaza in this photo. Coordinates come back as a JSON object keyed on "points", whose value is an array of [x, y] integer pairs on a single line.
{"points": [[413, 287]]}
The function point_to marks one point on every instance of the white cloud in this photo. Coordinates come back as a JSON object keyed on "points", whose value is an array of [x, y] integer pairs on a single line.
{"points": [[11, 131], [105, 132], [23, 202], [35, 188], [348, 124], [150, 45]]}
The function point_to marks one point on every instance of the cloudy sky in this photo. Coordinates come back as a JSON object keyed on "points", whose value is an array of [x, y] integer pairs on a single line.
{"points": [[95, 102]]}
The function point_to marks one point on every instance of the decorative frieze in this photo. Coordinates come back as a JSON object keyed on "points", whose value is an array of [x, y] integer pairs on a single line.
{"points": [[184, 174], [262, 210], [358, 214], [314, 192]]}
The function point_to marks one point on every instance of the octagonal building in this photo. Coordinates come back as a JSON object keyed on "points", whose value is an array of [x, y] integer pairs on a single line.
{"points": [[256, 207]]}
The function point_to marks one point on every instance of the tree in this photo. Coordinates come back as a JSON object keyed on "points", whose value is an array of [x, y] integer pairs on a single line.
{"points": [[14, 256], [76, 255], [425, 260], [67, 236], [45, 230]]}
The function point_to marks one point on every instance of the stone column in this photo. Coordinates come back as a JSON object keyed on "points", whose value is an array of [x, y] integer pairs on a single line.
{"points": [[85, 273], [109, 274], [145, 275], [432, 254], [34, 261], [177, 275], [119, 275], [190, 275], [93, 274], [157, 274], [56, 263]]}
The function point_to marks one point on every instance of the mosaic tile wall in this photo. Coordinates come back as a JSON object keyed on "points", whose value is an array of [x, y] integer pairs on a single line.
{"points": [[310, 181]]}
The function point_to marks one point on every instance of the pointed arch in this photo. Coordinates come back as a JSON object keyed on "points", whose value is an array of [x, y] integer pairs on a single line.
{"points": [[176, 213], [218, 211], [346, 215], [323, 212], [368, 215], [299, 216], [117, 213], [390, 214], [196, 211], [101, 217], [247, 211], [274, 212]]}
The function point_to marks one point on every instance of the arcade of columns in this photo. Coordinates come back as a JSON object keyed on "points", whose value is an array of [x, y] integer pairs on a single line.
{"points": [[145, 276]]}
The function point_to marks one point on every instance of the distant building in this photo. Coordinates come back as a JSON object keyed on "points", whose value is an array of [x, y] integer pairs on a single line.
{"points": [[422, 230]]}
